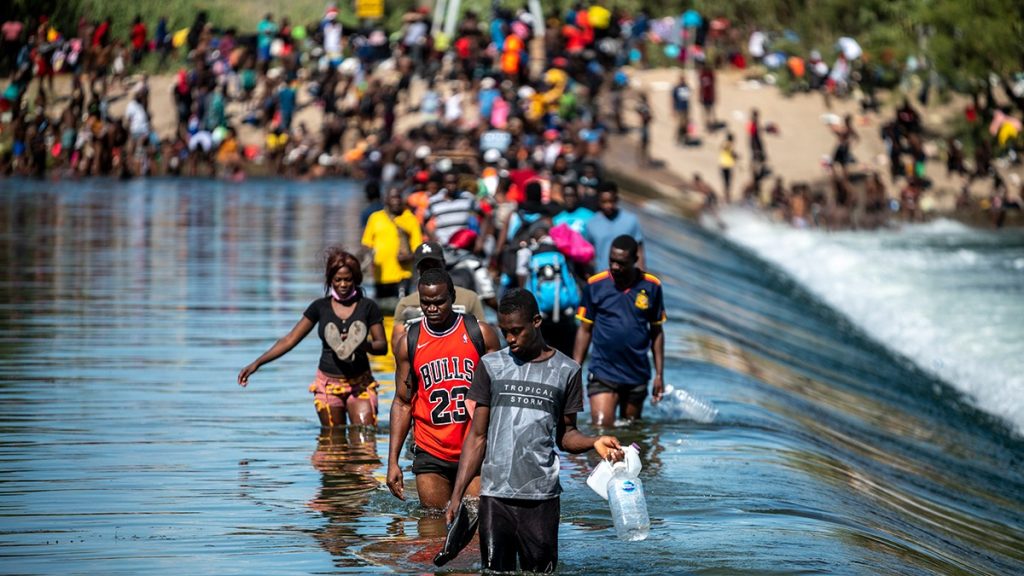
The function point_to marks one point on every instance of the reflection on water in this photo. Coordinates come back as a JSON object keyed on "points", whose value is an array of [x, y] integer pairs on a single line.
{"points": [[126, 447]]}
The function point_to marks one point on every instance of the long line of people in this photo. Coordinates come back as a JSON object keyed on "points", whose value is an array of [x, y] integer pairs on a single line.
{"points": [[547, 236]]}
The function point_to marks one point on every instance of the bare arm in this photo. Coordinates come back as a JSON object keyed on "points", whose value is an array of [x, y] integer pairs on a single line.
{"points": [[280, 348], [401, 419], [502, 237], [397, 332], [583, 335], [473, 449], [491, 341], [570, 439], [485, 230], [377, 343], [658, 348]]}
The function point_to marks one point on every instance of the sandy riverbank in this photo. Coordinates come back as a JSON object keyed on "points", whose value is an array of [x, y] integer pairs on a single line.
{"points": [[796, 152]]}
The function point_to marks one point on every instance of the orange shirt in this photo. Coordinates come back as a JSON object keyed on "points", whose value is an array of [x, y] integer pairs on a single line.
{"points": [[418, 202], [444, 365], [510, 54]]}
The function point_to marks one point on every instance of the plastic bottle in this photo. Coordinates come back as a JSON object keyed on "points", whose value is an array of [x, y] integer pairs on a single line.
{"points": [[682, 404], [627, 503], [598, 479]]}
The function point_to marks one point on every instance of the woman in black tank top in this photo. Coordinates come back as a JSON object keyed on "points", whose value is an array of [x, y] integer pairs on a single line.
{"points": [[350, 327]]}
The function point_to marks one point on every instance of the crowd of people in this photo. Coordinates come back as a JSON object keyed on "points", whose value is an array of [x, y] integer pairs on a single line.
{"points": [[485, 187], [486, 419], [317, 99], [508, 208], [855, 192], [238, 98]]}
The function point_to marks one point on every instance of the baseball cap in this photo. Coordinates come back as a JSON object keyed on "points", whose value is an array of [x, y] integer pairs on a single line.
{"points": [[492, 156], [428, 251]]}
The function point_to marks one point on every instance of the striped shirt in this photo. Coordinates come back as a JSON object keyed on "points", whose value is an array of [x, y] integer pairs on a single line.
{"points": [[449, 215]]}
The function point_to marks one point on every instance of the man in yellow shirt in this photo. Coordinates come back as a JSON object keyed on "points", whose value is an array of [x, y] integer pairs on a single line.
{"points": [[393, 234]]}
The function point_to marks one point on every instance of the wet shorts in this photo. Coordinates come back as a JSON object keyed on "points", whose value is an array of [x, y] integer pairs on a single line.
{"points": [[337, 391], [426, 463], [633, 393], [527, 529]]}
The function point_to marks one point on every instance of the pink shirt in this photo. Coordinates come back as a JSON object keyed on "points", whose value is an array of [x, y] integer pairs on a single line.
{"points": [[12, 30]]}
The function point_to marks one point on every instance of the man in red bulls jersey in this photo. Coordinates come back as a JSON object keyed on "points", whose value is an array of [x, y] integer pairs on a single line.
{"points": [[435, 360]]}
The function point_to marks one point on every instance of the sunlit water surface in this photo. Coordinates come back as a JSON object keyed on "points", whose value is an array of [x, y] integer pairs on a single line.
{"points": [[127, 447]]}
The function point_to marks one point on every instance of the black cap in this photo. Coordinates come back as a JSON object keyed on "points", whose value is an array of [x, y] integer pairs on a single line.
{"points": [[429, 251]]}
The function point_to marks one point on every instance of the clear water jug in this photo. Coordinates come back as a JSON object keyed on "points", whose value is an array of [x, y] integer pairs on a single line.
{"points": [[627, 503], [598, 479]]}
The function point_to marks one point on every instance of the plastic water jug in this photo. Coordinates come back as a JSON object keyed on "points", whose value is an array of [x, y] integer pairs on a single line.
{"points": [[680, 404], [598, 479], [627, 503]]}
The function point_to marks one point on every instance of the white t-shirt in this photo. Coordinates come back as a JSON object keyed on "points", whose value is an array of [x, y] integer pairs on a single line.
{"points": [[453, 108], [138, 120], [756, 46], [415, 33], [332, 38]]}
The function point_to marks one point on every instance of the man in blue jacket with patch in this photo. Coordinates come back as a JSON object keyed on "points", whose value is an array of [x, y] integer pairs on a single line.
{"points": [[621, 312]]}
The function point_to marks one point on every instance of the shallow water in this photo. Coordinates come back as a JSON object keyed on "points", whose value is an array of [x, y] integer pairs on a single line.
{"points": [[128, 309]]}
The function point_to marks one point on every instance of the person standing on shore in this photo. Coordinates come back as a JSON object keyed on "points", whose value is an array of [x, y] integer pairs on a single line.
{"points": [[726, 162], [527, 396], [643, 110], [707, 95], [621, 313], [138, 39], [266, 30], [758, 156], [681, 107], [350, 326], [846, 134], [436, 361]]}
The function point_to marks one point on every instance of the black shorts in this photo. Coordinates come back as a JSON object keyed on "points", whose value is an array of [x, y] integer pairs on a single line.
{"points": [[633, 393], [425, 463], [523, 529]]}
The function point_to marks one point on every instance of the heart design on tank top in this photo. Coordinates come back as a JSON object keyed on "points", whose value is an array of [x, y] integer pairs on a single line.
{"points": [[345, 346]]}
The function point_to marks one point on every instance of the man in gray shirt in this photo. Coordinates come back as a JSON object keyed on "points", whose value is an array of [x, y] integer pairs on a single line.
{"points": [[527, 396], [610, 222]]}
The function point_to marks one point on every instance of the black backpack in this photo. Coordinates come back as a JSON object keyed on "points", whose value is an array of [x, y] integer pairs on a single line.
{"points": [[476, 336], [519, 239]]}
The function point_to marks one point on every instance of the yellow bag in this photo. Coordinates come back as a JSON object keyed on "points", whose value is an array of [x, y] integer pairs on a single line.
{"points": [[600, 17], [179, 38]]}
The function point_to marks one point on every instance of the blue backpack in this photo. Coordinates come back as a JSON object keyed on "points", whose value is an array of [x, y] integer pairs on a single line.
{"points": [[552, 283]]}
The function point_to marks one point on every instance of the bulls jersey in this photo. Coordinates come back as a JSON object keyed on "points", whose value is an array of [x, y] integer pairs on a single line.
{"points": [[443, 364]]}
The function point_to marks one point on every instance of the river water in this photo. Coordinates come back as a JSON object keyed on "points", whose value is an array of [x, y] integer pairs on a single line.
{"points": [[127, 447]]}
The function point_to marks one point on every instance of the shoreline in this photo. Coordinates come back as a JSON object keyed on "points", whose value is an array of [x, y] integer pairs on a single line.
{"points": [[668, 176]]}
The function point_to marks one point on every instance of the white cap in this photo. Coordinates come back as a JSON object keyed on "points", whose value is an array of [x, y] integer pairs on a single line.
{"points": [[422, 151], [492, 156]]}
